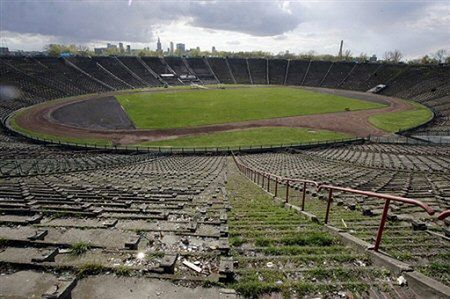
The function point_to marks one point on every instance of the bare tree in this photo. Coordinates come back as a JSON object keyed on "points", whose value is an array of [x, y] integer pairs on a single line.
{"points": [[83, 50], [440, 55], [393, 56], [347, 55], [363, 57]]}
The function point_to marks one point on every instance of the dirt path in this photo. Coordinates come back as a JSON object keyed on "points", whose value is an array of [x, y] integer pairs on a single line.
{"points": [[351, 122]]}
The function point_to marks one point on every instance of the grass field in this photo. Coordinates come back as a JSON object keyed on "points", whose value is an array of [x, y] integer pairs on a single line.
{"points": [[259, 136], [395, 121], [205, 107]]}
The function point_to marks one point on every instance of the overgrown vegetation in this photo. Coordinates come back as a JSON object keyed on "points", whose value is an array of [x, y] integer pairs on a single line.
{"points": [[278, 251], [79, 248], [90, 269]]}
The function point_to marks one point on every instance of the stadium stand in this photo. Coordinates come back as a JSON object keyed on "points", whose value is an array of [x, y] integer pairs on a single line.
{"points": [[33, 67], [317, 71], [177, 64], [337, 74], [201, 70], [258, 70], [357, 78], [277, 71], [160, 67], [76, 78], [120, 71], [32, 89], [408, 176], [297, 71], [134, 65], [91, 67], [220, 68], [239, 70], [383, 75]]}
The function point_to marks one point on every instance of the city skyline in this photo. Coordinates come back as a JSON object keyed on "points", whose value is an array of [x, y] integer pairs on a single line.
{"points": [[414, 27]]}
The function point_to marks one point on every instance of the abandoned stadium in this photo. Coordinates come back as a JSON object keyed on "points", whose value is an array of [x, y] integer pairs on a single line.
{"points": [[96, 202]]}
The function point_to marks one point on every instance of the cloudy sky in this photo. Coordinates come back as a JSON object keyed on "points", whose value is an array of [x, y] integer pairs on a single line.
{"points": [[372, 27]]}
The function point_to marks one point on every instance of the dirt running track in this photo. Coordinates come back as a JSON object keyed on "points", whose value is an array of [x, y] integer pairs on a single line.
{"points": [[351, 122]]}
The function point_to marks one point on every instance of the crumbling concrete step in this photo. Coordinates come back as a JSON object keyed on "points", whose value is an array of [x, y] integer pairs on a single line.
{"points": [[31, 284], [109, 286]]}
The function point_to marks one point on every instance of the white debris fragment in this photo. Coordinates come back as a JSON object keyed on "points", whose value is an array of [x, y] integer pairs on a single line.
{"points": [[401, 281], [342, 294], [345, 224], [360, 263], [192, 266], [140, 255], [269, 265]]}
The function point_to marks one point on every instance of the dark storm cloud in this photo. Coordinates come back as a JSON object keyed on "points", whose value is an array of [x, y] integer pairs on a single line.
{"points": [[114, 20], [255, 18], [78, 20]]}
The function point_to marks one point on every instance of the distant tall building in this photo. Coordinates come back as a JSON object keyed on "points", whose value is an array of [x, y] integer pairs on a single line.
{"points": [[121, 48], [181, 48], [373, 58], [340, 49], [4, 51], [128, 49], [171, 48], [213, 50], [158, 46]]}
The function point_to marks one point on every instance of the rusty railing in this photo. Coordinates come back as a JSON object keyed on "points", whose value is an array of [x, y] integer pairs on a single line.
{"points": [[387, 200], [444, 215], [258, 177]]}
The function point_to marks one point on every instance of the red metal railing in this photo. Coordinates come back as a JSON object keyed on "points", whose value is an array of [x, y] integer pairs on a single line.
{"points": [[444, 215], [387, 200], [255, 175]]}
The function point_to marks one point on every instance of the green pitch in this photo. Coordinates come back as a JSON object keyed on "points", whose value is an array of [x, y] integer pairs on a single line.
{"points": [[395, 121], [180, 109]]}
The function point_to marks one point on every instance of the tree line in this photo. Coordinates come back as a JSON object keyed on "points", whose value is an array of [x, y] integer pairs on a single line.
{"points": [[393, 56]]}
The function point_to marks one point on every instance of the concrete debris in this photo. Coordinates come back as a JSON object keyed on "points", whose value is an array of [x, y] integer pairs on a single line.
{"points": [[360, 263], [192, 266], [401, 281]]}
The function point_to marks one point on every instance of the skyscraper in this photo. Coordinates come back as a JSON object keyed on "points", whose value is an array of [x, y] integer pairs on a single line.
{"points": [[171, 48], [181, 48], [158, 46], [121, 47]]}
